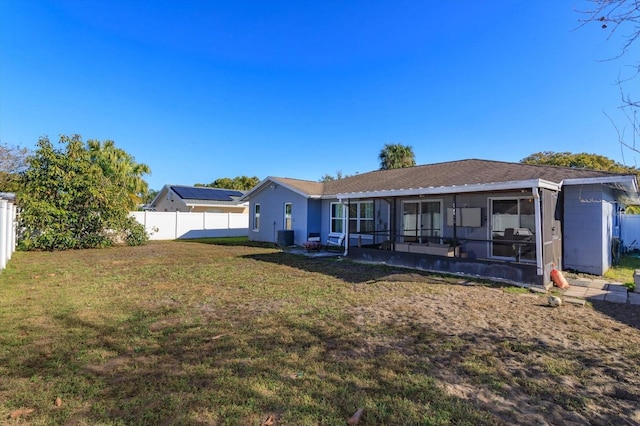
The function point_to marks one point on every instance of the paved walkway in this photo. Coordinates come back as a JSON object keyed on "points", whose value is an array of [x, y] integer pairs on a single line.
{"points": [[599, 289]]}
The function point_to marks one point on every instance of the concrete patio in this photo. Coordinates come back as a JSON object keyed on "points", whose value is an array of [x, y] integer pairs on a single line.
{"points": [[599, 289]]}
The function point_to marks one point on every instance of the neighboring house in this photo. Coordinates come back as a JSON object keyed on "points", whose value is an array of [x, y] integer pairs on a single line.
{"points": [[492, 219], [172, 198]]}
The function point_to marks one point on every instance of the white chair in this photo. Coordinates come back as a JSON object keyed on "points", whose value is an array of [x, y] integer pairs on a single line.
{"points": [[335, 240]]}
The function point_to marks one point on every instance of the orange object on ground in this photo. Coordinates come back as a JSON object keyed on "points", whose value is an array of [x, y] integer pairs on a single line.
{"points": [[558, 279]]}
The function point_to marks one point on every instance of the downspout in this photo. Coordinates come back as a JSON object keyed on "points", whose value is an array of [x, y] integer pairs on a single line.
{"points": [[455, 228], [538, 221]]}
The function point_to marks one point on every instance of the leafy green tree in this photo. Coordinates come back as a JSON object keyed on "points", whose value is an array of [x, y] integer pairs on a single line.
{"points": [[396, 156], [150, 196], [578, 161], [240, 183], [71, 199], [121, 168], [13, 161]]}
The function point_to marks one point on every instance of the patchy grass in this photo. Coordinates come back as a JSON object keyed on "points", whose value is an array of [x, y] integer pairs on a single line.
{"points": [[219, 332]]}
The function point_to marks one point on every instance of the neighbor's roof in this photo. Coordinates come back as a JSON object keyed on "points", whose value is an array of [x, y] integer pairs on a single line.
{"points": [[200, 195], [469, 174], [204, 193]]}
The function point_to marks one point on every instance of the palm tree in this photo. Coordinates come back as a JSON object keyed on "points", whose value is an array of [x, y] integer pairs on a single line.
{"points": [[396, 156]]}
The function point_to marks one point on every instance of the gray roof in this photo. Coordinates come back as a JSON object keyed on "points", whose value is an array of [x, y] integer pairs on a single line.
{"points": [[447, 174]]}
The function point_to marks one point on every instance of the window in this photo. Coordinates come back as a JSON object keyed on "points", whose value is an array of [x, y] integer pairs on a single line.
{"points": [[287, 216], [361, 218], [337, 218], [421, 221], [256, 217]]}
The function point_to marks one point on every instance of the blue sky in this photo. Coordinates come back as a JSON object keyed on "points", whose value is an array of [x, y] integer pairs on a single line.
{"points": [[200, 90]]}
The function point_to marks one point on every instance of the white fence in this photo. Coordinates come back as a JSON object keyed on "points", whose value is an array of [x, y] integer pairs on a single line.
{"points": [[7, 231], [630, 231], [173, 225]]}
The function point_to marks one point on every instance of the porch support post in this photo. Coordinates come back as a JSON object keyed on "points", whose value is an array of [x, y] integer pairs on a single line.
{"points": [[538, 220], [345, 225]]}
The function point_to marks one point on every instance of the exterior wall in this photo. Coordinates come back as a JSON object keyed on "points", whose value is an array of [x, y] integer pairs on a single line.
{"points": [[171, 203], [588, 228], [314, 216], [505, 271], [272, 203]]}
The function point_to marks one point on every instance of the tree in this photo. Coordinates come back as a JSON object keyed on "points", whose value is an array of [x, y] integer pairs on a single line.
{"points": [[121, 168], [328, 178], [240, 183], [578, 161], [622, 17], [13, 161], [396, 156], [150, 196], [72, 199]]}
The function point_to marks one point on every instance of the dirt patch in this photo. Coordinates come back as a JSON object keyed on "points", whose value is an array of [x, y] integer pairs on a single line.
{"points": [[515, 356]]}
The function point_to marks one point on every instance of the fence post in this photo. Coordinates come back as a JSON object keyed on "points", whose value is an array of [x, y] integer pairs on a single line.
{"points": [[3, 234], [9, 228]]}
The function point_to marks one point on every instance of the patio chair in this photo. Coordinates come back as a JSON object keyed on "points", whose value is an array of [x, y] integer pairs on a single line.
{"points": [[313, 242], [335, 240]]}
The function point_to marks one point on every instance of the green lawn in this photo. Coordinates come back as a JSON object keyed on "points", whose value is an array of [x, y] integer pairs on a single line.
{"points": [[196, 333]]}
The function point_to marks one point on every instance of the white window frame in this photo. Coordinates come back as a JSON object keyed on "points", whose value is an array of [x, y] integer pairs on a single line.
{"points": [[288, 216], [333, 218], [256, 217]]}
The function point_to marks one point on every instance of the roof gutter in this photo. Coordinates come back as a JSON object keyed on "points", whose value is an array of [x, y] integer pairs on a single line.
{"points": [[455, 189]]}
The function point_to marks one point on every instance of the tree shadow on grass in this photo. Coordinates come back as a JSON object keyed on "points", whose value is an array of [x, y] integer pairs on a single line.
{"points": [[622, 312], [176, 366], [344, 269]]}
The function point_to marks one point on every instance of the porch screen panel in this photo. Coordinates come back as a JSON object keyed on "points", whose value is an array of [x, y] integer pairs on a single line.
{"points": [[510, 221], [366, 217], [410, 222], [430, 220], [361, 217]]}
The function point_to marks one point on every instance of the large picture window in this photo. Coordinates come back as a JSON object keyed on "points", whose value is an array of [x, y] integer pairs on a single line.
{"points": [[361, 218], [337, 218], [256, 217]]}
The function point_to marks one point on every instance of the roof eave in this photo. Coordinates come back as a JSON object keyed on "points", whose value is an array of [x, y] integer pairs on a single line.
{"points": [[270, 180], [453, 189], [626, 186]]}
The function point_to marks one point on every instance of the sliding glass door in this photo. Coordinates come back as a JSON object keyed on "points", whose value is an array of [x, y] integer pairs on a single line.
{"points": [[421, 221]]}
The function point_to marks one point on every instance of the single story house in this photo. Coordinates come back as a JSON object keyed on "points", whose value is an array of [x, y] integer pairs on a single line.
{"points": [[484, 218], [181, 198]]}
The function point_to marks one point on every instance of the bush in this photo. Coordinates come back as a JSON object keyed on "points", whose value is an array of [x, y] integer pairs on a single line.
{"points": [[135, 234]]}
